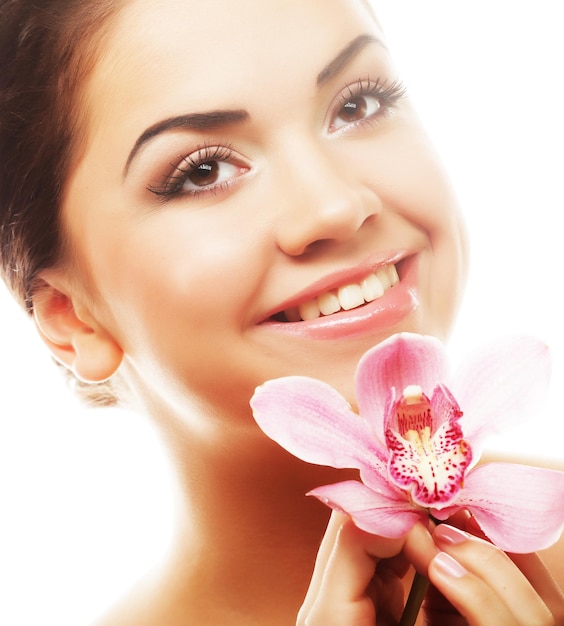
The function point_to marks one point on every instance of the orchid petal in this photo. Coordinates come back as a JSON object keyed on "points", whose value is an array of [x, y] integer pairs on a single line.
{"points": [[520, 508], [370, 510], [501, 385], [402, 360], [445, 407], [414, 453], [314, 422]]}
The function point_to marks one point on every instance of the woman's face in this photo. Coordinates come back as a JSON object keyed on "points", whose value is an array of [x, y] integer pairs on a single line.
{"points": [[246, 167]]}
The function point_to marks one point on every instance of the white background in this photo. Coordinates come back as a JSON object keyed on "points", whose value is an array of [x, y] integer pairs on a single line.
{"points": [[85, 504]]}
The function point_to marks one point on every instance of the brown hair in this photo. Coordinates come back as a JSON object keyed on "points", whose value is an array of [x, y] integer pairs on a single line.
{"points": [[47, 49]]}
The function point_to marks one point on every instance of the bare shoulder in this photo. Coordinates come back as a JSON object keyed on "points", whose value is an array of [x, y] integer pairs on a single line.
{"points": [[151, 601], [136, 607], [168, 600]]}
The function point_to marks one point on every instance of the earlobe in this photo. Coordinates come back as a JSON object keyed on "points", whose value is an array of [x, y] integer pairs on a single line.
{"points": [[76, 341]]}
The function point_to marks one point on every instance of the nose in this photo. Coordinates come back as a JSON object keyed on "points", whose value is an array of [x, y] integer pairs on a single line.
{"points": [[323, 201]]}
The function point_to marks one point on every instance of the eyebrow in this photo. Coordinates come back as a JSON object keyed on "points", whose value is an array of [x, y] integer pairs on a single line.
{"points": [[211, 120], [345, 57], [214, 120]]}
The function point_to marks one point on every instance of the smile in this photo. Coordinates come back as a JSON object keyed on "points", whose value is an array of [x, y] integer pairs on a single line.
{"points": [[352, 303], [345, 298]]}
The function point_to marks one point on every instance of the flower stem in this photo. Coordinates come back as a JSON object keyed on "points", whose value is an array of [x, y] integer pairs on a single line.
{"points": [[415, 599]]}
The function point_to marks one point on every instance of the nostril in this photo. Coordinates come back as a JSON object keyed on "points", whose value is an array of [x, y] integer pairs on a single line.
{"points": [[370, 219], [332, 219], [317, 246]]}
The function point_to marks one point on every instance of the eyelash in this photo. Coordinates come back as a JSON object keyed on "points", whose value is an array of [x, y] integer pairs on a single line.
{"points": [[386, 94], [173, 183]]}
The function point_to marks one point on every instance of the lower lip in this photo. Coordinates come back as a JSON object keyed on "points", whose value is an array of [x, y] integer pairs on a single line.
{"points": [[377, 316]]}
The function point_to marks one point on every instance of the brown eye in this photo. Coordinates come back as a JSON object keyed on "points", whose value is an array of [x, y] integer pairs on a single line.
{"points": [[205, 174], [207, 170], [355, 109]]}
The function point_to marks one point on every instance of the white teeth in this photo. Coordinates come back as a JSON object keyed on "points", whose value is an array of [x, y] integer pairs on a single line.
{"points": [[350, 296], [347, 297], [372, 288], [384, 277], [309, 310], [328, 303], [393, 275]]}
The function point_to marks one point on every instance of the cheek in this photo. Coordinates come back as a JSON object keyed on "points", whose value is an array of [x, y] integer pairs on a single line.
{"points": [[409, 177], [175, 272], [411, 181], [185, 305]]}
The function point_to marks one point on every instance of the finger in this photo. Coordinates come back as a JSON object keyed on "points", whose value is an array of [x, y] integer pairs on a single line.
{"points": [[352, 562], [472, 598], [496, 583], [342, 597], [335, 522], [542, 580], [419, 548]]}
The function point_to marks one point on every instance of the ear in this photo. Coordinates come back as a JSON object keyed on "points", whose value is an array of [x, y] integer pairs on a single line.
{"points": [[73, 336]]}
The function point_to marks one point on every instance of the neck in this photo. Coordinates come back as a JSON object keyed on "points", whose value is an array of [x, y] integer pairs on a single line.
{"points": [[245, 525]]}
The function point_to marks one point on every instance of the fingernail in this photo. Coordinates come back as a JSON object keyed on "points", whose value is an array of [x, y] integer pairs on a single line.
{"points": [[450, 535], [449, 566]]}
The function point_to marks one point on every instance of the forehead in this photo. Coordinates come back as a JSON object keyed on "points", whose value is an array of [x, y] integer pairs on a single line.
{"points": [[219, 47], [165, 58]]}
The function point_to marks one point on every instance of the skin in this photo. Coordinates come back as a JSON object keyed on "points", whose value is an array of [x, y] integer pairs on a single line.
{"points": [[174, 292]]}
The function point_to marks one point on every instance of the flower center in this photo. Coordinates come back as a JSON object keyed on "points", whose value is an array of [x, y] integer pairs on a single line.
{"points": [[428, 455], [414, 413]]}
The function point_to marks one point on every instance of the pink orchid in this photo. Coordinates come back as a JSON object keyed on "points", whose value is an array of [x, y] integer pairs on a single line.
{"points": [[416, 446]]}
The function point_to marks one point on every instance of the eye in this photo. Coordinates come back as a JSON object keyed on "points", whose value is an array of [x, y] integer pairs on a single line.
{"points": [[365, 101], [210, 169], [356, 109], [208, 174]]}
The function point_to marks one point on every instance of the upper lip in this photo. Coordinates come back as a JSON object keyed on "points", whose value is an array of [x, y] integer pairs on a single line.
{"points": [[337, 279]]}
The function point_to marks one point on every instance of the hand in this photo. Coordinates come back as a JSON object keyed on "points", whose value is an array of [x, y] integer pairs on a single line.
{"points": [[357, 578], [488, 587]]}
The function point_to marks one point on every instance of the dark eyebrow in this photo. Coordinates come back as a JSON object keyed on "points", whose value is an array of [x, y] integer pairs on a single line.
{"points": [[194, 121], [221, 118], [345, 56]]}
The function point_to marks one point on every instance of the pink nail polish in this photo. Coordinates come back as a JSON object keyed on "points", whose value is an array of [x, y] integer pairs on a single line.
{"points": [[449, 566], [450, 535]]}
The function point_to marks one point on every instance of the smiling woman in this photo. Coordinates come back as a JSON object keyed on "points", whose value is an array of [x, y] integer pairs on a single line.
{"points": [[226, 208]]}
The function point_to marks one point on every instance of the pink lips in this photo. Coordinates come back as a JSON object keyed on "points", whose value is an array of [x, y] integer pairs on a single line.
{"points": [[385, 312]]}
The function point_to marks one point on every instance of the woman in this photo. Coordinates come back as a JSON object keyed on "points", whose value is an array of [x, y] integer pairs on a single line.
{"points": [[216, 198]]}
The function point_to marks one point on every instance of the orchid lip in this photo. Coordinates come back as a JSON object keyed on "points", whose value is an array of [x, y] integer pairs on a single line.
{"points": [[345, 294]]}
